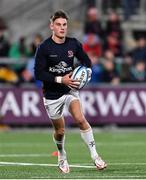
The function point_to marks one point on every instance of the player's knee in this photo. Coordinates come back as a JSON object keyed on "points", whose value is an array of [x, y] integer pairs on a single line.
{"points": [[81, 121]]}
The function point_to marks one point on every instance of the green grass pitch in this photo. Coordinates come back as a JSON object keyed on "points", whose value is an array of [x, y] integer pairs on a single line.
{"points": [[28, 154]]}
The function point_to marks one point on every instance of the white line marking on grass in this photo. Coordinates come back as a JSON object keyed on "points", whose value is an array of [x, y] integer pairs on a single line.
{"points": [[55, 165], [24, 144], [27, 144], [25, 155], [25, 164], [120, 163], [127, 163], [35, 164]]}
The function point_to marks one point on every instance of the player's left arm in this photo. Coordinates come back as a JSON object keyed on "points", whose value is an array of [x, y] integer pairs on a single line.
{"points": [[83, 58]]}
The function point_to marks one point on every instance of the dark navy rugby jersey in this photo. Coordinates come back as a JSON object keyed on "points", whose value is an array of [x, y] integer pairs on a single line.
{"points": [[53, 59]]}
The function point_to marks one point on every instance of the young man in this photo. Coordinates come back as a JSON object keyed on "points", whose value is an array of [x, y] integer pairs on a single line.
{"points": [[53, 66]]}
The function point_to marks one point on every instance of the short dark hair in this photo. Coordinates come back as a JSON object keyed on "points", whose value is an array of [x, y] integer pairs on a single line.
{"points": [[59, 14]]}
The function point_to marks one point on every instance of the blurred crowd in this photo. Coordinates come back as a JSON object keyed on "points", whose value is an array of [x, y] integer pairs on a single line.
{"points": [[18, 71], [104, 44]]}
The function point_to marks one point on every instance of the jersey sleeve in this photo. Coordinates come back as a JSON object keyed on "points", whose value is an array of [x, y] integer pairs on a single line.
{"points": [[40, 67], [81, 55]]}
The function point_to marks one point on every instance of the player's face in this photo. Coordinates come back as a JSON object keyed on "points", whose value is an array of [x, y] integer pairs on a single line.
{"points": [[59, 27]]}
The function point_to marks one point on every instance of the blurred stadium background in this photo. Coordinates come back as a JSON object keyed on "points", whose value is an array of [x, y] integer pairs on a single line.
{"points": [[113, 33]]}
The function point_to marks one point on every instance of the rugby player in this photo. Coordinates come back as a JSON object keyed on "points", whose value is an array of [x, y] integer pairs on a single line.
{"points": [[54, 62]]}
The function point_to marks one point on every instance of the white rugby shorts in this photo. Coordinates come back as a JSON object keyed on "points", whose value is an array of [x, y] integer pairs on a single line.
{"points": [[55, 107]]}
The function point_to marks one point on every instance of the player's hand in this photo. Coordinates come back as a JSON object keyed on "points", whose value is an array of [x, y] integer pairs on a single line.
{"points": [[73, 84]]}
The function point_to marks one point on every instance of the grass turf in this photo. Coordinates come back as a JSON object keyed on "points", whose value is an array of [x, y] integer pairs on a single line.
{"points": [[125, 153]]}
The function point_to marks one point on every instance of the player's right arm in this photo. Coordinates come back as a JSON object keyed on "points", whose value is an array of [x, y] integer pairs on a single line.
{"points": [[70, 82], [40, 67]]}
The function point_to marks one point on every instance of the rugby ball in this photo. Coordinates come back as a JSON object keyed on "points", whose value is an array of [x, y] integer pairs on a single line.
{"points": [[80, 73]]}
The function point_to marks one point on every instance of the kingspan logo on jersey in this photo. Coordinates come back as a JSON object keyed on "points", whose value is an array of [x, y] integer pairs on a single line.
{"points": [[60, 68]]}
